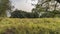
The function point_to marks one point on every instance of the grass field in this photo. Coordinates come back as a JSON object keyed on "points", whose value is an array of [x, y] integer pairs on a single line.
{"points": [[30, 26]]}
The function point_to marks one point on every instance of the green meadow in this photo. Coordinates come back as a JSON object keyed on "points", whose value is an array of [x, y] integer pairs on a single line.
{"points": [[30, 26]]}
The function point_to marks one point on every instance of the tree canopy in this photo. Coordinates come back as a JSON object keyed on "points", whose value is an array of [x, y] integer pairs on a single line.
{"points": [[21, 14], [5, 5]]}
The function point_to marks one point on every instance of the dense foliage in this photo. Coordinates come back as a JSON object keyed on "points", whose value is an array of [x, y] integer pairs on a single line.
{"points": [[5, 5], [21, 14], [46, 10], [34, 14], [41, 10]]}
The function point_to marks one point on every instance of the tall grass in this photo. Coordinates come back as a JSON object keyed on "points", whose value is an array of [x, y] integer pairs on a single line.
{"points": [[30, 26]]}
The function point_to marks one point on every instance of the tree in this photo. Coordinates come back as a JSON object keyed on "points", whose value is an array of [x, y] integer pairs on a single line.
{"points": [[5, 5], [43, 8], [21, 14]]}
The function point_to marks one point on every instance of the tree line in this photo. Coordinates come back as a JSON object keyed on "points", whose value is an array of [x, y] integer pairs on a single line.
{"points": [[42, 10]]}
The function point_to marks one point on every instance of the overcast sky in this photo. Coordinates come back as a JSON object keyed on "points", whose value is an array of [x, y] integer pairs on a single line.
{"points": [[23, 4]]}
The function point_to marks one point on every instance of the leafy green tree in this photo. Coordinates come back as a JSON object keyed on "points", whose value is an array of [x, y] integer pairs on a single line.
{"points": [[42, 9], [21, 14], [5, 5]]}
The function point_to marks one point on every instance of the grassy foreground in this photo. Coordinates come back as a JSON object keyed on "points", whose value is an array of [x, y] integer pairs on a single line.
{"points": [[30, 26]]}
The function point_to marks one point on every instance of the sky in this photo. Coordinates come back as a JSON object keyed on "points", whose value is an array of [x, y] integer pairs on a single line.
{"points": [[23, 4]]}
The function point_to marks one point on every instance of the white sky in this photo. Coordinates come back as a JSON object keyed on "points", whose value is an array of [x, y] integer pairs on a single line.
{"points": [[23, 5]]}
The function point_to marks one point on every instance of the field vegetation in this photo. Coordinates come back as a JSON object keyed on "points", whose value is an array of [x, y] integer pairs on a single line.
{"points": [[30, 26]]}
